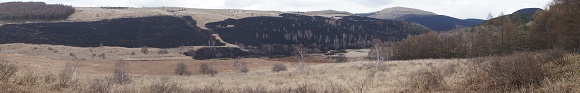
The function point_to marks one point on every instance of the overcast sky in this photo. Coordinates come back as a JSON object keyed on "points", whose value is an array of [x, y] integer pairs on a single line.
{"points": [[456, 8]]}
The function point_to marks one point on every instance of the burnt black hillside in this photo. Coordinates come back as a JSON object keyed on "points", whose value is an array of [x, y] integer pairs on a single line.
{"points": [[158, 31], [313, 32]]}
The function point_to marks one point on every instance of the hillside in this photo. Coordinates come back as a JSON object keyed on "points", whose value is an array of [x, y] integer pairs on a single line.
{"points": [[156, 31], [521, 18], [153, 27], [314, 32], [442, 22]]}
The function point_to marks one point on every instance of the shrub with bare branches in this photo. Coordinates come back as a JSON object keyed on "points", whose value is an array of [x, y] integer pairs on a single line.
{"points": [[165, 86], [181, 69], [120, 75], [145, 50], [279, 67], [206, 68], [240, 65], [7, 71], [522, 69], [68, 74], [100, 86]]}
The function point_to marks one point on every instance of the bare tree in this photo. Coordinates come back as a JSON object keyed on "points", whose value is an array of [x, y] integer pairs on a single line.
{"points": [[68, 74], [120, 75], [300, 54], [181, 69], [378, 49], [240, 65], [203, 68]]}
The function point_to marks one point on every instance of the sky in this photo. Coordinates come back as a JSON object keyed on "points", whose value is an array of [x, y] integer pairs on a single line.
{"points": [[462, 9]]}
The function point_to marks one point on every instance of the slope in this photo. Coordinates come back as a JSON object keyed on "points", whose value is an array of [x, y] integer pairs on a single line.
{"points": [[156, 31]]}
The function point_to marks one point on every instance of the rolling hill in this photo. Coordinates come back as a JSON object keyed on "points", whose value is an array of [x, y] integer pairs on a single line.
{"points": [[428, 19]]}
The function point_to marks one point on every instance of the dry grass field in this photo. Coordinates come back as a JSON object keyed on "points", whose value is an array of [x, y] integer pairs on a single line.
{"points": [[39, 68]]}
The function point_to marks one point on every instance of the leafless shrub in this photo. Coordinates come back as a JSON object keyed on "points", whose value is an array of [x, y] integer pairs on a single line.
{"points": [[240, 65], [163, 51], [100, 86], [67, 77], [144, 50], [333, 87], [361, 85], [7, 70], [166, 86], [29, 79], [428, 80], [254, 89], [279, 67], [304, 88], [103, 56], [215, 87], [181, 69], [507, 73], [205, 68], [120, 75]]}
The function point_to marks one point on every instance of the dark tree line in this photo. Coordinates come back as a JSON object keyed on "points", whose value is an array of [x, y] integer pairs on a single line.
{"points": [[18, 11]]}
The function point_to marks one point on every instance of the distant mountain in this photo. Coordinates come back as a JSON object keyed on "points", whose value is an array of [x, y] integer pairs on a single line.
{"points": [[397, 13], [425, 18]]}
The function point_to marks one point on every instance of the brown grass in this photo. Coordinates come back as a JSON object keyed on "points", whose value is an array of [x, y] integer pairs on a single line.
{"points": [[40, 74]]}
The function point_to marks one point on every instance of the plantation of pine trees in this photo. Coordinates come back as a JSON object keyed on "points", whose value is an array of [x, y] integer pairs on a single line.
{"points": [[26, 11]]}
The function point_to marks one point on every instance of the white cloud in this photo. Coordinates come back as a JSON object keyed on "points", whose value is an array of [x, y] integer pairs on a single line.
{"points": [[455, 8]]}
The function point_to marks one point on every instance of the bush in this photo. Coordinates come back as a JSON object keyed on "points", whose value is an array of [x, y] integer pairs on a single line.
{"points": [[240, 65], [427, 81], [205, 68], [163, 51], [7, 71], [100, 86], [164, 86], [144, 50], [120, 75], [68, 75], [181, 69], [279, 67], [504, 73]]}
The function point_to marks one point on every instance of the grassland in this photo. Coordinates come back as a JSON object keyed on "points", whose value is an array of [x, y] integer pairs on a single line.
{"points": [[39, 69]]}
